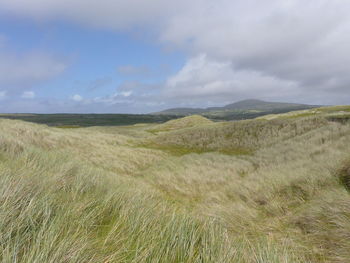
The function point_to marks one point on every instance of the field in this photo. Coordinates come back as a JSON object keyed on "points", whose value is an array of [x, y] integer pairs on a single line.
{"points": [[269, 190], [86, 120]]}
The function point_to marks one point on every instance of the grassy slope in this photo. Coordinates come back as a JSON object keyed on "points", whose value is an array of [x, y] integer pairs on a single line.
{"points": [[251, 191], [186, 122]]}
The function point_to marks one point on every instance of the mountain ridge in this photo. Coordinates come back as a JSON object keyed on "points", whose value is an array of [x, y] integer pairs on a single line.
{"points": [[244, 109]]}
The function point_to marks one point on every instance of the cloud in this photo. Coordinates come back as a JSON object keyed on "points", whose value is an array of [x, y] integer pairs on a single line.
{"points": [[28, 95], [130, 96], [113, 99], [271, 48], [282, 41], [2, 94], [126, 93], [24, 70], [77, 98], [219, 81], [21, 71]]}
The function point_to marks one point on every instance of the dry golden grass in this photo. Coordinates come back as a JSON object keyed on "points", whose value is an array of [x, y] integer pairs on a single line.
{"points": [[183, 123], [248, 191]]}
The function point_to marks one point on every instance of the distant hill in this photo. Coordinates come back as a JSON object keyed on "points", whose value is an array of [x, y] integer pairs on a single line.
{"points": [[181, 111], [261, 105], [245, 109]]}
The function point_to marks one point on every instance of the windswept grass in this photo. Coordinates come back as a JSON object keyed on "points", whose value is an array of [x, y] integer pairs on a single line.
{"points": [[243, 136], [183, 123], [55, 208], [185, 194]]}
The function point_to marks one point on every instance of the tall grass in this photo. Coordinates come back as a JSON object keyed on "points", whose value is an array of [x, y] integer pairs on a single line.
{"points": [[101, 195], [249, 135], [55, 209]]}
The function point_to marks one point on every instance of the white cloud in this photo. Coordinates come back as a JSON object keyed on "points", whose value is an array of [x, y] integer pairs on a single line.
{"points": [[77, 98], [126, 93], [258, 45], [28, 95], [2, 94], [204, 78], [122, 97], [283, 41], [22, 70]]}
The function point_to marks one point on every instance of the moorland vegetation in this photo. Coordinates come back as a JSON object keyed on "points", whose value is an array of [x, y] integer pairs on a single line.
{"points": [[272, 189]]}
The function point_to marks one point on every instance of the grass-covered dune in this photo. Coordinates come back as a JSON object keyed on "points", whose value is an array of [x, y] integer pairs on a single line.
{"points": [[274, 189]]}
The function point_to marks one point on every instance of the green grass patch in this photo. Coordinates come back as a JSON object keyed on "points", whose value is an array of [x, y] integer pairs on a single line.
{"points": [[236, 151], [179, 150], [176, 150], [339, 118], [68, 126], [334, 108], [301, 115], [87, 120]]}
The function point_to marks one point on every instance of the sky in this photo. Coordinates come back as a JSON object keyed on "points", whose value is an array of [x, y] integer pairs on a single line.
{"points": [[138, 56]]}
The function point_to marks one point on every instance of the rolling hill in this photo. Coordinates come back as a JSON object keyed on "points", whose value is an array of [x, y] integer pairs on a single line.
{"points": [[245, 109], [272, 189]]}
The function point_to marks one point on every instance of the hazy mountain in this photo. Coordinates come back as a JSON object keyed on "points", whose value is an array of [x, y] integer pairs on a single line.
{"points": [[244, 109], [260, 105]]}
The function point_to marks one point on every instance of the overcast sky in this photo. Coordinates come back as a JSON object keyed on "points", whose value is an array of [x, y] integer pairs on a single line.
{"points": [[141, 56]]}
